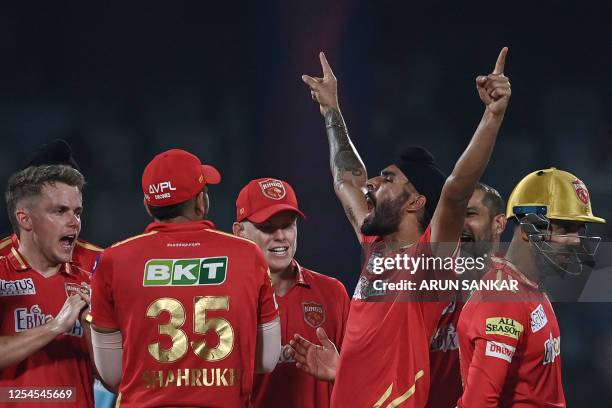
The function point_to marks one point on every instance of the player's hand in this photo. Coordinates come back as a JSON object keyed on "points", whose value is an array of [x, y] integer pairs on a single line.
{"points": [[494, 89], [69, 313], [319, 361], [324, 90]]}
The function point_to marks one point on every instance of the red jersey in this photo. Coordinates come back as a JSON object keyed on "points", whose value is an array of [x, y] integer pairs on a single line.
{"points": [[187, 300], [83, 256], [315, 301], [445, 387], [510, 351], [28, 300], [385, 353]]}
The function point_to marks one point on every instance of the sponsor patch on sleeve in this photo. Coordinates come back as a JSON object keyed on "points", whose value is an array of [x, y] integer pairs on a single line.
{"points": [[538, 319], [503, 326], [500, 350]]}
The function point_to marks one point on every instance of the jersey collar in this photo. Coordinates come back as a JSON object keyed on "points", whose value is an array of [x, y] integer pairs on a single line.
{"points": [[19, 263], [513, 270], [299, 274], [179, 226]]}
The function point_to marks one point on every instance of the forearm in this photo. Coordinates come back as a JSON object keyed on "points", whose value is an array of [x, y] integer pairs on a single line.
{"points": [[346, 165], [17, 347], [472, 163]]}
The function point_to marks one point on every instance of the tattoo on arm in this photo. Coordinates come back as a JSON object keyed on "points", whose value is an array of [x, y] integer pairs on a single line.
{"points": [[350, 214], [343, 157]]}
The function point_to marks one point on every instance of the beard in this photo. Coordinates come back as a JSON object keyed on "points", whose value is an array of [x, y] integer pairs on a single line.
{"points": [[386, 217], [477, 248]]}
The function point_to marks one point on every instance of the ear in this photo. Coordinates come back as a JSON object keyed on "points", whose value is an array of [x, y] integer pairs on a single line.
{"points": [[520, 233], [415, 203], [23, 219], [201, 205], [144, 202], [238, 229], [499, 224]]}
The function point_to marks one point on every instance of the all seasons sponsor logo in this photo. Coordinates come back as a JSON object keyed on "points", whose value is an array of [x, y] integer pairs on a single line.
{"points": [[504, 326], [185, 272]]}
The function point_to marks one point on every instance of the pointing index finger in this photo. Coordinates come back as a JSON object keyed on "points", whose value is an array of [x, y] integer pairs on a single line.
{"points": [[501, 61], [327, 71]]}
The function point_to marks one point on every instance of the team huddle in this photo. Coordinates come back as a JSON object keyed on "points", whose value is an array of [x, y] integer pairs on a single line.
{"points": [[187, 315]]}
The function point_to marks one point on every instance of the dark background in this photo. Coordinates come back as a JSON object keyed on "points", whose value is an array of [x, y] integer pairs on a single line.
{"points": [[122, 82]]}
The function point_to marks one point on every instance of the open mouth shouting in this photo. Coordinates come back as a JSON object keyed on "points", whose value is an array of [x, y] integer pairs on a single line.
{"points": [[67, 242], [371, 201]]}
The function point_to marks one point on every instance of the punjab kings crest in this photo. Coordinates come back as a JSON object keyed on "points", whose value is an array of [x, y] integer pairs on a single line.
{"points": [[314, 314], [581, 191], [75, 288], [273, 189]]}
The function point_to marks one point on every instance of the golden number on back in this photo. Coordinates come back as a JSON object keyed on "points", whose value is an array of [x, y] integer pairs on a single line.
{"points": [[201, 325]]}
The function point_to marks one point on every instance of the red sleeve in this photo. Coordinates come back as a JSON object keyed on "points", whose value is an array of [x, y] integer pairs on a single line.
{"points": [[495, 331], [344, 305], [102, 303], [267, 310]]}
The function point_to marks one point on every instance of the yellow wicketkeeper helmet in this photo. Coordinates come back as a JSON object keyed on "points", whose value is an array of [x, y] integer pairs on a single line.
{"points": [[553, 193]]}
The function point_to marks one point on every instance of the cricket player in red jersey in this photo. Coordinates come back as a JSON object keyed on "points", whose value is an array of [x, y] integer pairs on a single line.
{"points": [[42, 293], [57, 152], [183, 314], [485, 221], [266, 213], [510, 343], [384, 359]]}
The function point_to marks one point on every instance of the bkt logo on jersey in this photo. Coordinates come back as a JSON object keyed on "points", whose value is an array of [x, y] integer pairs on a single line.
{"points": [[185, 272]]}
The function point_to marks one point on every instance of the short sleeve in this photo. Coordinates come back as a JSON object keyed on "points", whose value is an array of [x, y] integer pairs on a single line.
{"points": [[102, 303], [267, 308]]}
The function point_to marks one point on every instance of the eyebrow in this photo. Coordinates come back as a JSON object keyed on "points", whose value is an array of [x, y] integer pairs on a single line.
{"points": [[387, 173]]}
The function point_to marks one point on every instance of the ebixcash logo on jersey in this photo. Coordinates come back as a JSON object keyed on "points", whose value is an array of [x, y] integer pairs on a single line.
{"points": [[185, 272]]}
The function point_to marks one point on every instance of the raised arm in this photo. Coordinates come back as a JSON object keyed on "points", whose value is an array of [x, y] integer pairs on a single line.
{"points": [[347, 168], [494, 91]]}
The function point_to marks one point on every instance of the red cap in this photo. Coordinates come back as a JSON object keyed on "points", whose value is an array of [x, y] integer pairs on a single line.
{"points": [[175, 176], [262, 198]]}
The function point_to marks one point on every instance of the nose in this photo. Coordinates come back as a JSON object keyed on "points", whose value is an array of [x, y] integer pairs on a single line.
{"points": [[278, 234], [373, 184], [74, 221]]}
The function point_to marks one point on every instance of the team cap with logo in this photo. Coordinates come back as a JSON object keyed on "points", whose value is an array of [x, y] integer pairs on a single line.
{"points": [[175, 176], [262, 198]]}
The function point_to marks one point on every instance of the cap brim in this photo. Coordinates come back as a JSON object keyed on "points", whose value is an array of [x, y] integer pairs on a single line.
{"points": [[211, 175], [263, 215]]}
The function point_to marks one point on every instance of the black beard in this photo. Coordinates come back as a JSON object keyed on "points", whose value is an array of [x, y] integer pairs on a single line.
{"points": [[386, 217]]}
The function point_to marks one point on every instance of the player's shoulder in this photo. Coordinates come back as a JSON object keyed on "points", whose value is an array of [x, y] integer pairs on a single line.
{"points": [[232, 240], [133, 240], [85, 246], [314, 278], [5, 244]]}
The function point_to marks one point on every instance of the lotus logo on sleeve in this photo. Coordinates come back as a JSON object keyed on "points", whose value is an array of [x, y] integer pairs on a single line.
{"points": [[185, 272], [17, 287]]}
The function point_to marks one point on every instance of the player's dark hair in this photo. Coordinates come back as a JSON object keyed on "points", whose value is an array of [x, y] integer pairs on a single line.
{"points": [[29, 182], [492, 199], [170, 211]]}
